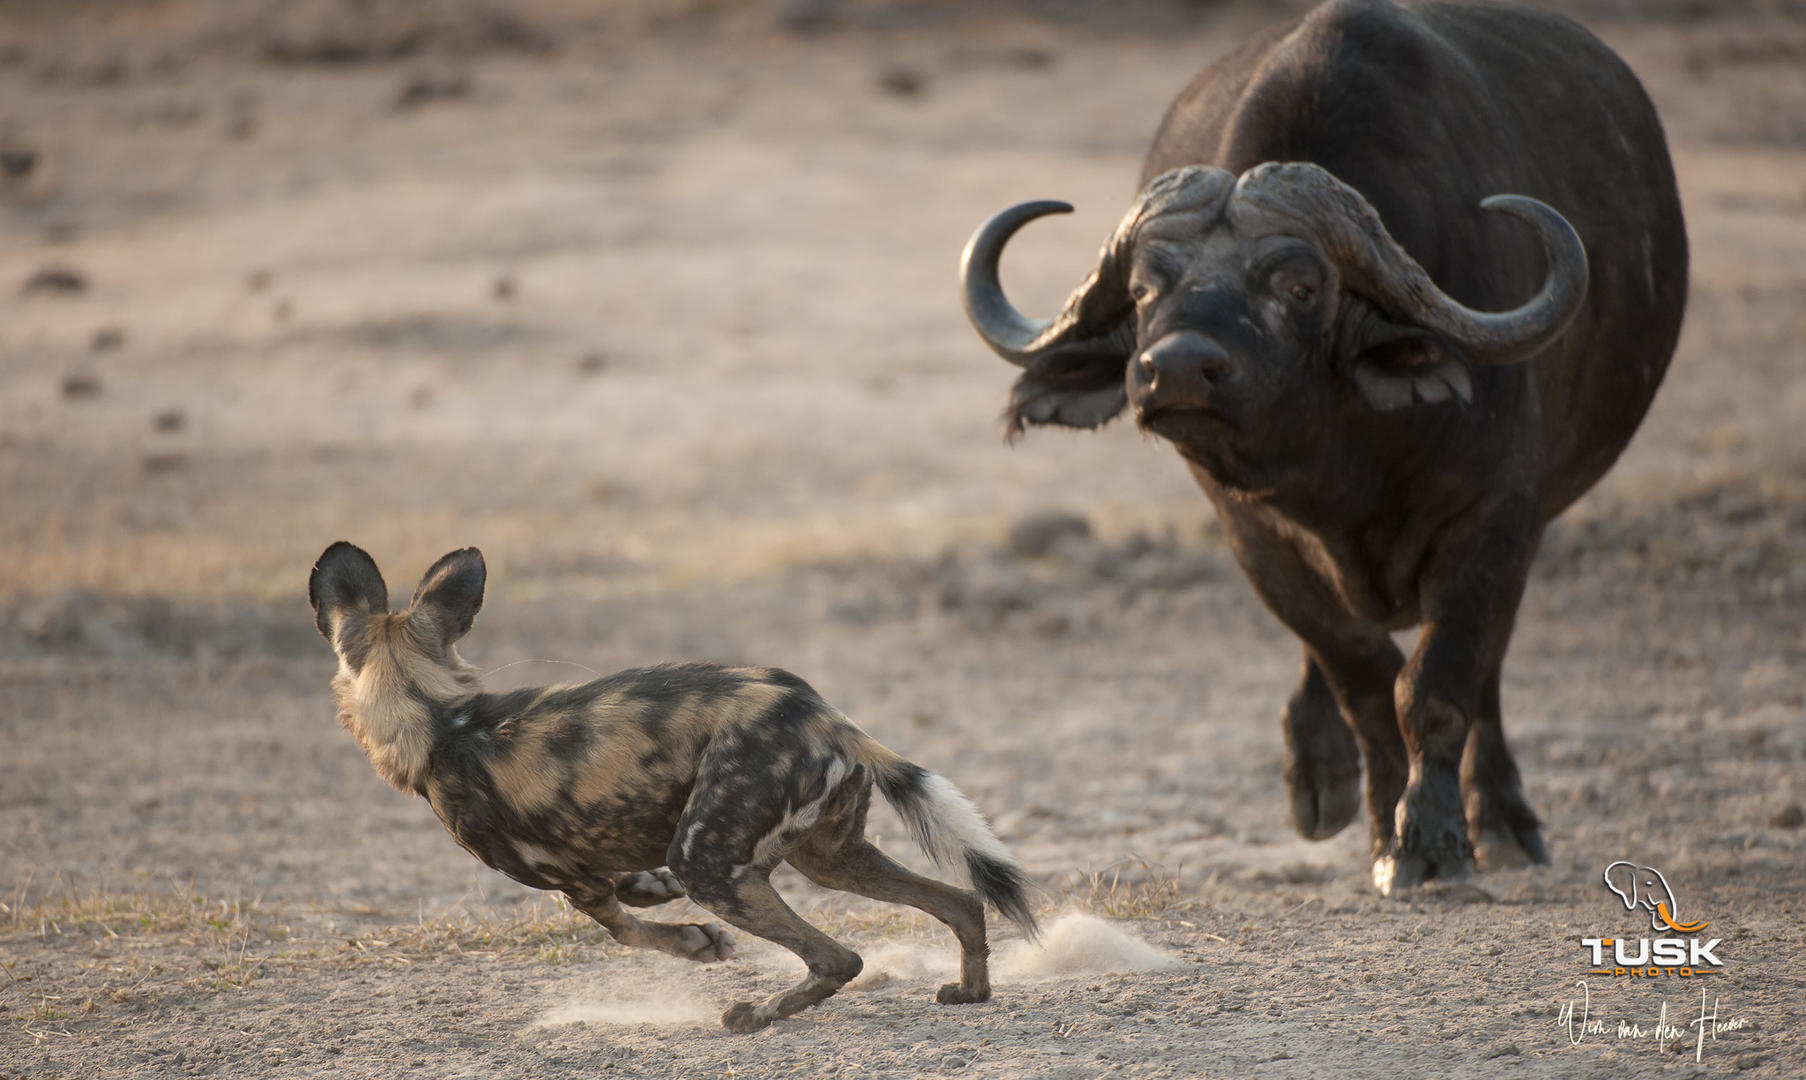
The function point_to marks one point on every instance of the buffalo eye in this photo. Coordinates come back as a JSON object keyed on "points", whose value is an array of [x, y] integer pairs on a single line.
{"points": [[1303, 293]]}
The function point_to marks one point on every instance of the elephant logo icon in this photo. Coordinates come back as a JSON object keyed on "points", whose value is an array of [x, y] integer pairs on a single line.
{"points": [[1645, 887]]}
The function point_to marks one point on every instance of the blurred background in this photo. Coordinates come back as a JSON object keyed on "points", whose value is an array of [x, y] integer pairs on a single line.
{"points": [[628, 293], [654, 301]]}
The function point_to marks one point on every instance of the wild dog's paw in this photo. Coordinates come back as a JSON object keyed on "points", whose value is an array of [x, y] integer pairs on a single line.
{"points": [[743, 1019], [648, 888], [955, 994], [705, 943]]}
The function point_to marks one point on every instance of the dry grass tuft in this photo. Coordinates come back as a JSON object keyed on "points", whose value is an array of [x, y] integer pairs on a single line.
{"points": [[150, 906], [845, 917], [218, 932], [1130, 889], [160, 937], [545, 927]]}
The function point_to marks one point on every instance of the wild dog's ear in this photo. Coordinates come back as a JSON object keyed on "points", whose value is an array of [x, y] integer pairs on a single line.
{"points": [[449, 596], [345, 584]]}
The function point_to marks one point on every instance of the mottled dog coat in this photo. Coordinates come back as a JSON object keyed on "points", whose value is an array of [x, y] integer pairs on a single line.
{"points": [[718, 773]]}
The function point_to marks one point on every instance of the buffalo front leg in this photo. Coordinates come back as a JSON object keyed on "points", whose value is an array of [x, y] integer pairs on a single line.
{"points": [[1350, 665], [1361, 672], [1429, 837], [702, 942], [1470, 596], [1501, 826], [1322, 765]]}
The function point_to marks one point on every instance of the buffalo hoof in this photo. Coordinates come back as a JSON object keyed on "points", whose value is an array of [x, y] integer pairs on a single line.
{"points": [[648, 888], [1325, 797], [704, 943], [955, 994], [1503, 829], [1498, 850], [1322, 771], [744, 1019], [1399, 871], [1429, 837]]}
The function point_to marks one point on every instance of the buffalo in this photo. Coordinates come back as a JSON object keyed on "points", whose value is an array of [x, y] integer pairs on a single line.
{"points": [[1400, 284]]}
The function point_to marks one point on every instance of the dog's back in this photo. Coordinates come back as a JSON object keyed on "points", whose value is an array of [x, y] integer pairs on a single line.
{"points": [[552, 786]]}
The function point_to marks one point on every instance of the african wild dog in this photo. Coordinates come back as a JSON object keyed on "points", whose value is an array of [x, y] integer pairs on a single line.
{"points": [[718, 773]]}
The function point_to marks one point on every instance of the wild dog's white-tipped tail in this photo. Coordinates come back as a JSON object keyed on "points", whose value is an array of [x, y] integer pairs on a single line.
{"points": [[953, 832]]}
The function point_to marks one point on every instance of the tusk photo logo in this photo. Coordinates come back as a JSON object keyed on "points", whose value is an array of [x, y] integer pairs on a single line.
{"points": [[1645, 887], [1670, 955]]}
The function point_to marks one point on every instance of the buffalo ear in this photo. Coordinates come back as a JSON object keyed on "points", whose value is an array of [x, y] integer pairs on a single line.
{"points": [[1078, 385], [449, 596], [1621, 878], [345, 587], [1395, 365]]}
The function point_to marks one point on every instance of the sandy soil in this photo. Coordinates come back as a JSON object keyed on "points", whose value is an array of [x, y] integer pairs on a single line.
{"points": [[656, 305]]}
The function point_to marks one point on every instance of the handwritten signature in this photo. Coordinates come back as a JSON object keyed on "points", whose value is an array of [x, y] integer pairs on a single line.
{"points": [[1577, 1017]]}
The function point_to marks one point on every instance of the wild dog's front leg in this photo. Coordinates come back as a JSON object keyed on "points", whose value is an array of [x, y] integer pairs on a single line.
{"points": [[702, 942], [648, 888]]}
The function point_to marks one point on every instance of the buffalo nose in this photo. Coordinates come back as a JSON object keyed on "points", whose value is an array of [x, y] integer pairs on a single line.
{"points": [[1182, 358]]}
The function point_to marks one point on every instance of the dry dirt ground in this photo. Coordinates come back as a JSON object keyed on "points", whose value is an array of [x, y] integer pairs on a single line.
{"points": [[655, 303]]}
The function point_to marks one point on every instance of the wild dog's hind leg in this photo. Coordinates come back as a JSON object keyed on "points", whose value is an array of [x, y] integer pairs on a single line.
{"points": [[749, 902], [836, 855], [702, 942], [860, 868], [729, 838], [647, 888]]}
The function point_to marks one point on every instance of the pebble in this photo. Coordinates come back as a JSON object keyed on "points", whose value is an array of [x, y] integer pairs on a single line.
{"points": [[425, 87], [56, 281], [899, 80], [81, 384], [1039, 532]]}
